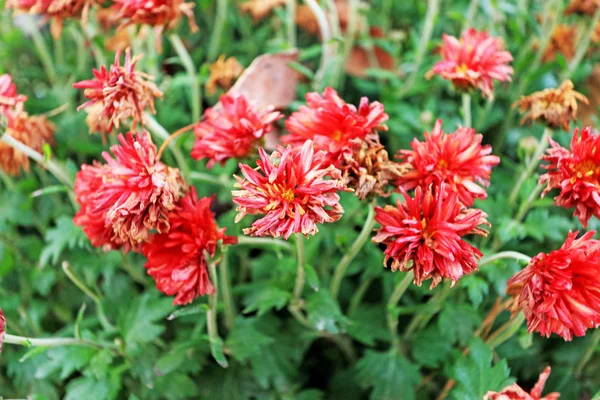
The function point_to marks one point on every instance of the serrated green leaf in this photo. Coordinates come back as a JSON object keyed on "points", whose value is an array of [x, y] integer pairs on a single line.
{"points": [[391, 376], [311, 277], [265, 299], [65, 235], [245, 340], [324, 313], [367, 324], [430, 347], [188, 310]]}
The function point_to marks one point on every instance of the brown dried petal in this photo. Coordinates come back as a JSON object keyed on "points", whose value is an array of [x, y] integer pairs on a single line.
{"points": [[222, 73]]}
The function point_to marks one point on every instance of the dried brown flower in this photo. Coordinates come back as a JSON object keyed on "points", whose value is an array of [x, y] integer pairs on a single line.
{"points": [[562, 42], [582, 7], [368, 169], [33, 131], [260, 8], [222, 73], [94, 120], [553, 107]]}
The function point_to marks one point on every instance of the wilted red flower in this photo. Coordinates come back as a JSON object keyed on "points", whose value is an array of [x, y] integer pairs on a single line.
{"points": [[473, 61], [331, 124], [428, 231], [515, 392], [9, 98], [33, 131], [55, 10], [561, 290], [222, 73], [553, 107], [176, 260], [123, 92], [2, 328], [457, 159], [232, 130], [576, 173], [161, 14], [124, 200], [292, 193]]}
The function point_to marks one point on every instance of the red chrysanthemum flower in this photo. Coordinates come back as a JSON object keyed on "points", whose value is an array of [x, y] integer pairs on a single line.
{"points": [[560, 291], [2, 328], [576, 172], [332, 124], [473, 61], [232, 130], [428, 231], [127, 198], [457, 159], [177, 259], [55, 10], [123, 92], [161, 14], [9, 98], [292, 193], [515, 392]]}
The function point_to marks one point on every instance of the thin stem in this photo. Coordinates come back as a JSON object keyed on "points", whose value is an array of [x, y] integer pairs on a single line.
{"points": [[211, 318], [359, 242], [350, 31], [433, 7], [531, 166], [208, 178], [395, 297], [420, 320], [7, 180], [188, 64], [44, 53], [358, 295], [256, 241], [526, 205], [173, 136], [466, 108], [505, 254], [506, 331], [583, 45], [589, 352], [160, 132], [291, 22], [326, 38], [301, 261], [217, 33], [49, 342], [227, 295], [470, 14]]}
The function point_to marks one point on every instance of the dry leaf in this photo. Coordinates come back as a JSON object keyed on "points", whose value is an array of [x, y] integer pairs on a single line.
{"points": [[269, 80], [360, 59]]}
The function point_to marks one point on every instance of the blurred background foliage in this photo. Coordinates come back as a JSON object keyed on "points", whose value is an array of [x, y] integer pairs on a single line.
{"points": [[155, 352]]}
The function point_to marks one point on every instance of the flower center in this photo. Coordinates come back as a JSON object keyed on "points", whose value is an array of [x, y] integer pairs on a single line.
{"points": [[443, 164], [462, 68], [337, 135], [288, 195], [587, 170]]}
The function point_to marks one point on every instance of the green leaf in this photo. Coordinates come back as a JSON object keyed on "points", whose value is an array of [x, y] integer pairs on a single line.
{"points": [[64, 235], [138, 323], [477, 288], [367, 324], [245, 340], [324, 312], [176, 386], [430, 347], [311, 277], [92, 389], [188, 310], [463, 331], [216, 349], [390, 375], [475, 375], [267, 298]]}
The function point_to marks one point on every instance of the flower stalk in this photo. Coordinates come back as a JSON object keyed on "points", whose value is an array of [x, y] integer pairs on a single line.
{"points": [[466, 108], [49, 342], [227, 295], [359, 242], [188, 63], [216, 343], [505, 254], [217, 32], [263, 241], [159, 131], [395, 297]]}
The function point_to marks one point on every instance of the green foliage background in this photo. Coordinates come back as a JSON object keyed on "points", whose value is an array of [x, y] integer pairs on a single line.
{"points": [[345, 353]]}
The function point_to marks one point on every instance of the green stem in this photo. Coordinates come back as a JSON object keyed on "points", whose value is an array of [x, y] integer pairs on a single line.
{"points": [[50, 342], [7, 180], [526, 205], [256, 241], [505, 254], [301, 261], [583, 45], [531, 166], [217, 33], [506, 331], [422, 319], [227, 295], [350, 31], [208, 178], [328, 51], [188, 64], [395, 297], [433, 7], [359, 242], [44, 53], [216, 343], [589, 352], [291, 22], [470, 14], [159, 131], [466, 108], [358, 295]]}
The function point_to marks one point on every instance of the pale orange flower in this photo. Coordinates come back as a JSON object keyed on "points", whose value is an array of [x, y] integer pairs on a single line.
{"points": [[260, 8], [222, 73], [562, 42]]}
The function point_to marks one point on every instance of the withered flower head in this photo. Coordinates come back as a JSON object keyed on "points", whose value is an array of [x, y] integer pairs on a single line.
{"points": [[33, 131], [260, 8], [55, 10], [222, 73], [562, 42], [123, 92], [553, 107], [582, 7], [368, 170], [94, 120]]}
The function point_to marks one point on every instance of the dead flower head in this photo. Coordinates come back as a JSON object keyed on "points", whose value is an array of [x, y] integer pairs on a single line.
{"points": [[368, 169], [260, 8], [562, 42], [588, 7], [553, 107], [222, 73]]}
